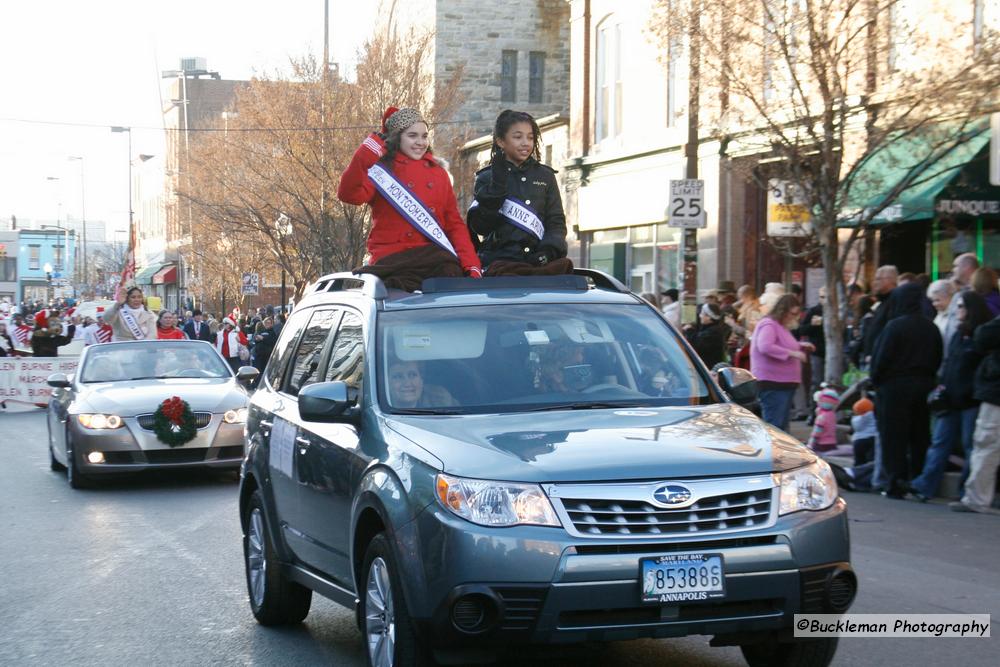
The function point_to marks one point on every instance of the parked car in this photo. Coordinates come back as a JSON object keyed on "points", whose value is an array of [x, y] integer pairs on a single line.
{"points": [[527, 460], [103, 419]]}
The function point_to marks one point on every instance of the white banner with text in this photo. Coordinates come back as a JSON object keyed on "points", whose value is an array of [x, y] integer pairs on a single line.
{"points": [[23, 379]]}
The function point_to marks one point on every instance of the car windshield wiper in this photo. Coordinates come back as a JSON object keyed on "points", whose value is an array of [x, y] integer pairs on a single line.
{"points": [[588, 405], [427, 411], [143, 377]]}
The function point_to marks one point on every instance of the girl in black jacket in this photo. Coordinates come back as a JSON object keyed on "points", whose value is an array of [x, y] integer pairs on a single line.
{"points": [[958, 420], [518, 210]]}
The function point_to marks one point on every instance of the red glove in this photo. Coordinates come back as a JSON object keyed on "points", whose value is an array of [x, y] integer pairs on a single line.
{"points": [[473, 272], [375, 144]]}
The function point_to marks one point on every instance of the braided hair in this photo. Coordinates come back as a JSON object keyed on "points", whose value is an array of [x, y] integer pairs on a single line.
{"points": [[509, 118]]}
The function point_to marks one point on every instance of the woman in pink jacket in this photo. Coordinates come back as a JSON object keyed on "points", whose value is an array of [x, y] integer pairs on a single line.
{"points": [[776, 359]]}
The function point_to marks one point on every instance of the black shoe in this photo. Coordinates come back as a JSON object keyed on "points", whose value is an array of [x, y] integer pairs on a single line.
{"points": [[895, 494]]}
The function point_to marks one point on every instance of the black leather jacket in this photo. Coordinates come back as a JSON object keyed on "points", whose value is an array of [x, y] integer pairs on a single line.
{"points": [[534, 184]]}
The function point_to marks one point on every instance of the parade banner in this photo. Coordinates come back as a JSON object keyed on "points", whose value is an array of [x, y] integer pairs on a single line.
{"points": [[23, 379]]}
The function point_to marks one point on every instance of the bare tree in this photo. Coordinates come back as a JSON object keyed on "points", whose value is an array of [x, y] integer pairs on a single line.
{"points": [[818, 89], [266, 182]]}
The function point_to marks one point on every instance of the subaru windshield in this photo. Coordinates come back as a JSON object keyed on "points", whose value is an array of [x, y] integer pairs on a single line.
{"points": [[522, 358]]}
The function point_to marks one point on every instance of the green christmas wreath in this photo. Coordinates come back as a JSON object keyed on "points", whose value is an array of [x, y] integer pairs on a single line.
{"points": [[174, 423]]}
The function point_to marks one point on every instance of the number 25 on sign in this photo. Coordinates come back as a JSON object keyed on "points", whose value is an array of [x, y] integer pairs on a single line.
{"points": [[687, 209]]}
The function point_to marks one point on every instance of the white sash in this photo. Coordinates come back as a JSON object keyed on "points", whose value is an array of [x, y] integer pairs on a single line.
{"points": [[519, 215], [130, 322], [409, 206]]}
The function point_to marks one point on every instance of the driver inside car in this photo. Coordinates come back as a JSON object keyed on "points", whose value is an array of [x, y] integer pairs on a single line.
{"points": [[408, 390], [563, 369]]}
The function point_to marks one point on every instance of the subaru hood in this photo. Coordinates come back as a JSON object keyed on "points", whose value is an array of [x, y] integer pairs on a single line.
{"points": [[605, 444]]}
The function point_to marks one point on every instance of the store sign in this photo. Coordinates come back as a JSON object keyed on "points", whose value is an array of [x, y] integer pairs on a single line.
{"points": [[687, 204], [968, 206], [788, 213], [251, 284]]}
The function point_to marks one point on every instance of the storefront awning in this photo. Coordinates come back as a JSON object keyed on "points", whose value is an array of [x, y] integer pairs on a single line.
{"points": [[927, 159], [145, 277], [166, 275]]}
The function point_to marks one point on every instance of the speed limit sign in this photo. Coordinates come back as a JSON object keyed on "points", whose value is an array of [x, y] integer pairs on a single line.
{"points": [[687, 204]]}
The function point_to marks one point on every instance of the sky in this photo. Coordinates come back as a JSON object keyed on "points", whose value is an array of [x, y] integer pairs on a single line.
{"points": [[98, 62]]}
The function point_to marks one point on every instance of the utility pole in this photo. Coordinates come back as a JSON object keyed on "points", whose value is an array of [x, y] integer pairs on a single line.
{"points": [[83, 221], [324, 218], [689, 256]]}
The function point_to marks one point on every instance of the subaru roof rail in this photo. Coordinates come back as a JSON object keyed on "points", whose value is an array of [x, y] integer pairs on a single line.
{"points": [[369, 284], [558, 282], [601, 279]]}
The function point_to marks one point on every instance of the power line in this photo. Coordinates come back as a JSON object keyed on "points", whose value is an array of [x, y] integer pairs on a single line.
{"points": [[207, 129]]}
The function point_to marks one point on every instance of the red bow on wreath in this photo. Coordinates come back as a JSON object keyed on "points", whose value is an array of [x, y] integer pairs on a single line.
{"points": [[173, 409]]}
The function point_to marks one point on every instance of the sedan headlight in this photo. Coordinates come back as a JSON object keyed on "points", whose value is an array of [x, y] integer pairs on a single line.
{"points": [[811, 487], [99, 421], [491, 503], [238, 416]]}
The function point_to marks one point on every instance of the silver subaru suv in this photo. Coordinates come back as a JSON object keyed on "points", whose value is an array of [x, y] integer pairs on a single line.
{"points": [[527, 460]]}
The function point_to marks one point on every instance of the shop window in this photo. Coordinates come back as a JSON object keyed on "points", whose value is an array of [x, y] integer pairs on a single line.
{"points": [[8, 269]]}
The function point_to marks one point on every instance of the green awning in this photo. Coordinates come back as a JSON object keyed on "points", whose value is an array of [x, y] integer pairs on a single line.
{"points": [[145, 277], [927, 159]]}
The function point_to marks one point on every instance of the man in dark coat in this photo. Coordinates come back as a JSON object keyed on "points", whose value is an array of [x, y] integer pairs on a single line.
{"points": [[980, 487], [47, 337], [196, 329], [904, 367]]}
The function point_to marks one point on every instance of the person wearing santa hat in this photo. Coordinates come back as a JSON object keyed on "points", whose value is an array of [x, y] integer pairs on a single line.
{"points": [[417, 231], [229, 343], [48, 335], [129, 318]]}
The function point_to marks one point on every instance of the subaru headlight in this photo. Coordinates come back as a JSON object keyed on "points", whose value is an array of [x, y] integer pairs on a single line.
{"points": [[810, 487], [490, 503], [99, 421], [238, 416]]}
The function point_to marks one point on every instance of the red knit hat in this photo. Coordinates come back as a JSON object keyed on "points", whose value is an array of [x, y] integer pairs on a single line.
{"points": [[385, 117], [42, 319]]}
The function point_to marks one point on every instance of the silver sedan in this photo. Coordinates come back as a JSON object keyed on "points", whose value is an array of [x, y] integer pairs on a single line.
{"points": [[103, 419]]}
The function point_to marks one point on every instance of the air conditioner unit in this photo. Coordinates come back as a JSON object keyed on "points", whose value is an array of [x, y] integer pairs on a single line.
{"points": [[193, 64]]}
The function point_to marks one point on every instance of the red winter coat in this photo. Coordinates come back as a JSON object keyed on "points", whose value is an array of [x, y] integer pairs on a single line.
{"points": [[390, 232]]}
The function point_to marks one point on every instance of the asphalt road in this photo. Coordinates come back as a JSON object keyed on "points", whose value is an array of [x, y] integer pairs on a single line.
{"points": [[148, 570]]}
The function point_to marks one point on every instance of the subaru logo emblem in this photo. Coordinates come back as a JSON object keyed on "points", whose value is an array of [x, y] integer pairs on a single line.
{"points": [[672, 494]]}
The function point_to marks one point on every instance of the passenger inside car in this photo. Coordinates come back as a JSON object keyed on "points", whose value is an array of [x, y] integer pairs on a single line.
{"points": [[407, 389]]}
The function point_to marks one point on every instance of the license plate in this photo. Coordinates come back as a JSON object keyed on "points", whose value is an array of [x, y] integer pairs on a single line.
{"points": [[682, 578]]}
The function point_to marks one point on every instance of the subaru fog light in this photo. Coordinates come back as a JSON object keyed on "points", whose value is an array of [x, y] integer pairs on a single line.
{"points": [[810, 487], [490, 503], [95, 457]]}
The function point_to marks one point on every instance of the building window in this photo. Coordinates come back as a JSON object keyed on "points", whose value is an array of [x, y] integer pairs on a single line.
{"points": [[8, 269], [536, 76], [609, 81], [57, 257], [34, 253], [508, 76]]}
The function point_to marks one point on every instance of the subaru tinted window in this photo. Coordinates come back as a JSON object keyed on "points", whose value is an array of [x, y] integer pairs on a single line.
{"points": [[347, 358], [286, 343], [522, 357], [305, 364]]}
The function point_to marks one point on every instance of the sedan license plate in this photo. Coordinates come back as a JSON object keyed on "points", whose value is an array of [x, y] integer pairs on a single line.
{"points": [[682, 578]]}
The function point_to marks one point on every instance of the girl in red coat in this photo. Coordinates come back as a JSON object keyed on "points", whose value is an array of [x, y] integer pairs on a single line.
{"points": [[417, 231]]}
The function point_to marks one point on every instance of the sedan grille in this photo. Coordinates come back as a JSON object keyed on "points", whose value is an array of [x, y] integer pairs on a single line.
{"points": [[733, 511], [201, 420]]}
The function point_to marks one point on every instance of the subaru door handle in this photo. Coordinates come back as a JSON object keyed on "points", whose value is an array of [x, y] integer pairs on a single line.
{"points": [[303, 444], [264, 422]]}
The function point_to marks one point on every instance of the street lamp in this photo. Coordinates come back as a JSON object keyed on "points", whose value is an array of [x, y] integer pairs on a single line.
{"points": [[83, 220], [118, 128]]}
